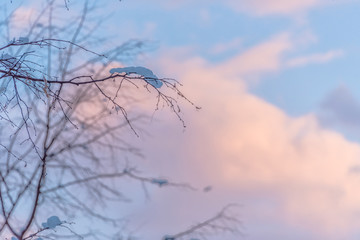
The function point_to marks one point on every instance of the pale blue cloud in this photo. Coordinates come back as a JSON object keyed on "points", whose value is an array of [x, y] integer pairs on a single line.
{"points": [[340, 110]]}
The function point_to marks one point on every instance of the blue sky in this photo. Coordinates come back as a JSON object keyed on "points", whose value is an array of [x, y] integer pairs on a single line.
{"points": [[278, 133]]}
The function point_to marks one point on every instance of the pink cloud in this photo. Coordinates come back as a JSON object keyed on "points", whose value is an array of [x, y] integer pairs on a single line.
{"points": [[262, 58], [20, 21], [250, 149]]}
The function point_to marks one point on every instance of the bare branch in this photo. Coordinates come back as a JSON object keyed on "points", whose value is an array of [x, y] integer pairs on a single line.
{"points": [[220, 223]]}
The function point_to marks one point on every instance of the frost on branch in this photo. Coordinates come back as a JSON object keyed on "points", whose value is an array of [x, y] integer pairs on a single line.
{"points": [[146, 73]]}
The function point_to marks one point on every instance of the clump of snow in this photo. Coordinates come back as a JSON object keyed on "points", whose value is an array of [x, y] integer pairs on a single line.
{"points": [[159, 181], [23, 40], [207, 189], [146, 73], [8, 60], [52, 222], [167, 237], [20, 40]]}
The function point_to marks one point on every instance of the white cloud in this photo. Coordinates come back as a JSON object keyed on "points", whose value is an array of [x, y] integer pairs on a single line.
{"points": [[315, 58], [267, 7], [253, 7]]}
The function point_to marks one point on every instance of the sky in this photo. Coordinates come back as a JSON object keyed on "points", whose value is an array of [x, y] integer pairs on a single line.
{"points": [[278, 132]]}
